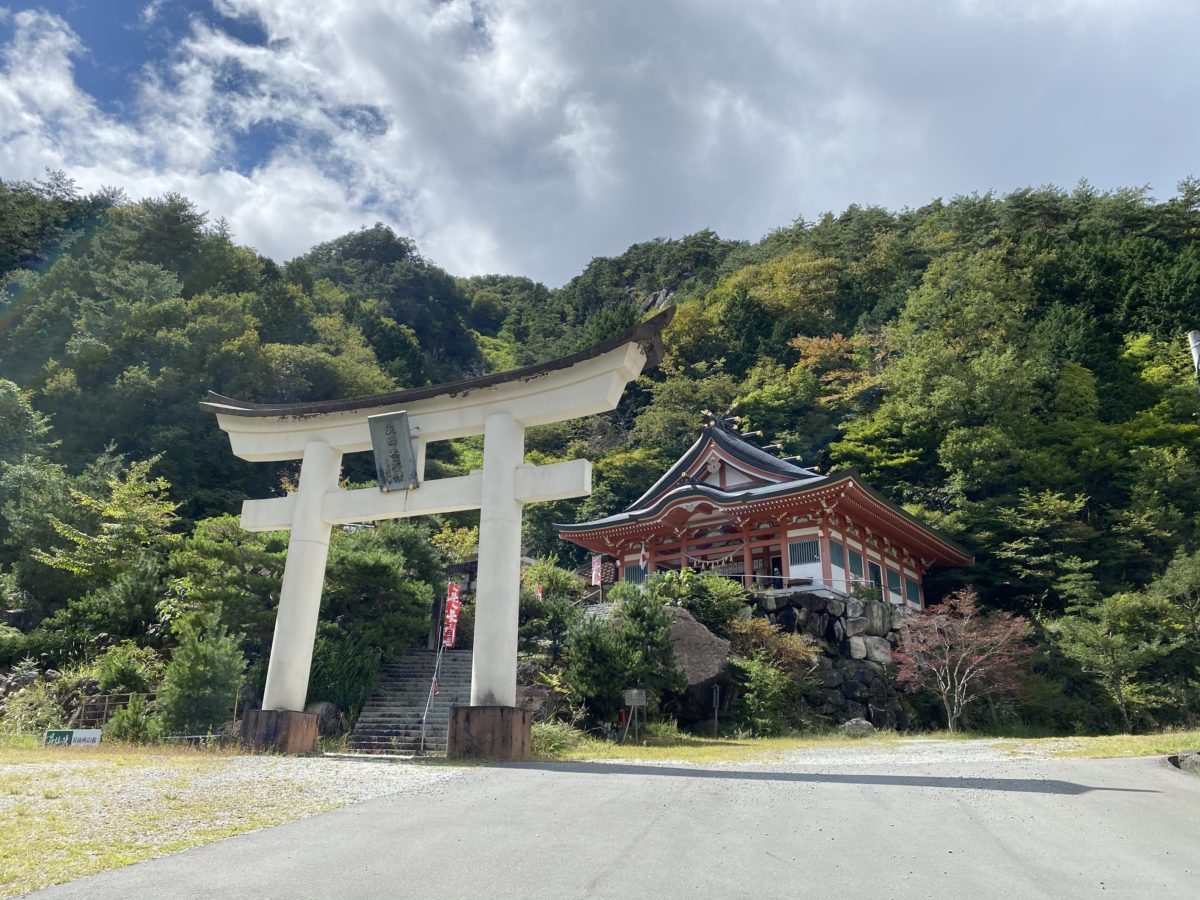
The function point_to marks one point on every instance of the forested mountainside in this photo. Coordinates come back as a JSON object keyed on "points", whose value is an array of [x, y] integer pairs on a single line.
{"points": [[1014, 370]]}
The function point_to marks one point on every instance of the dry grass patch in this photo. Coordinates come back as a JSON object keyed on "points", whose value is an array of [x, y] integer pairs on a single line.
{"points": [[1112, 746], [707, 751]]}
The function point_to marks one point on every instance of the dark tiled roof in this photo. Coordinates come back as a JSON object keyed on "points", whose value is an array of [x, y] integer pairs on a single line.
{"points": [[648, 334], [743, 449], [735, 446]]}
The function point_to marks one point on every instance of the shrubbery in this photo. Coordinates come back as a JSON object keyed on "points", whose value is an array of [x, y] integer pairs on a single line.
{"points": [[343, 672], [632, 649], [769, 697], [127, 668], [553, 740], [712, 599], [203, 677], [774, 665], [133, 723]]}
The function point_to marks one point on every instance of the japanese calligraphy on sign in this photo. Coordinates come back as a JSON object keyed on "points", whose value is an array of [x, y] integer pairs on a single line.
{"points": [[395, 461]]}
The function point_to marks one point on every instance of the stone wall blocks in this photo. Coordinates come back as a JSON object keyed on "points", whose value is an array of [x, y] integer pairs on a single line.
{"points": [[858, 647], [813, 603], [857, 625], [831, 678], [878, 649]]}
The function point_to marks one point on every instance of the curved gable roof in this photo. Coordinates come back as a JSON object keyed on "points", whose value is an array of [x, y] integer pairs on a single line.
{"points": [[735, 447]]}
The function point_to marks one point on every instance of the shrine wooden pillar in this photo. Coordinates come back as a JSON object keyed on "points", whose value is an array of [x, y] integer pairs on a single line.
{"points": [[747, 559]]}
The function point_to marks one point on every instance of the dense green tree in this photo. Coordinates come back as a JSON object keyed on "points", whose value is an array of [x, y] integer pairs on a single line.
{"points": [[202, 679], [1115, 640]]}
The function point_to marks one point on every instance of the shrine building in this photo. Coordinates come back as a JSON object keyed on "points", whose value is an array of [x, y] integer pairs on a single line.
{"points": [[731, 507]]}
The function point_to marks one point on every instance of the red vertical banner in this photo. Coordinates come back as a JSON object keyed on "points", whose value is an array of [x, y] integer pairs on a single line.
{"points": [[595, 571], [450, 620]]}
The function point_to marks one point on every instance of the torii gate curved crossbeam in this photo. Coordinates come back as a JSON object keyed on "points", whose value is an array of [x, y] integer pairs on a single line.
{"points": [[500, 407]]}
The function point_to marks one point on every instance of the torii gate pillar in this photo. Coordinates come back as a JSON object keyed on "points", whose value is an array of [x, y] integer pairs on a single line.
{"points": [[500, 407], [494, 660]]}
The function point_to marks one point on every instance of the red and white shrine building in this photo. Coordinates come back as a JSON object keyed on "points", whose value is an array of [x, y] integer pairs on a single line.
{"points": [[728, 506]]}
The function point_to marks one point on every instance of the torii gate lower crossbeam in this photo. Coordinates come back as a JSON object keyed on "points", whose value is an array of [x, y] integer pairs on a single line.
{"points": [[500, 407]]}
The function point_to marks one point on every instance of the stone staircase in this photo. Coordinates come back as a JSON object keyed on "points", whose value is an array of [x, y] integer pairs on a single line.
{"points": [[390, 722]]}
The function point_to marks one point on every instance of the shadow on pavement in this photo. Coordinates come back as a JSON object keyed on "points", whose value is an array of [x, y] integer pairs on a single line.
{"points": [[1025, 785]]}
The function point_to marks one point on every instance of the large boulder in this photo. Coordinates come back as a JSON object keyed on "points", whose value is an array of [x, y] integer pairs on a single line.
{"points": [[534, 699], [858, 728], [858, 647], [1189, 761], [703, 659], [330, 720]]}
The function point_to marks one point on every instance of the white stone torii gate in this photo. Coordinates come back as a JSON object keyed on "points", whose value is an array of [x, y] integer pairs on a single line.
{"points": [[500, 407]]}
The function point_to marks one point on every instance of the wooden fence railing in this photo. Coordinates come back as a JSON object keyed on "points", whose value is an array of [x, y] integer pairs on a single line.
{"points": [[95, 711]]}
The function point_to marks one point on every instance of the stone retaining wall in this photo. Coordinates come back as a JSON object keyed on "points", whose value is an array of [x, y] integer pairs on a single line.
{"points": [[856, 639]]}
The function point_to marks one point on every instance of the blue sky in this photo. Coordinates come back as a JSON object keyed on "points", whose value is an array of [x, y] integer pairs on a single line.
{"points": [[531, 135]]}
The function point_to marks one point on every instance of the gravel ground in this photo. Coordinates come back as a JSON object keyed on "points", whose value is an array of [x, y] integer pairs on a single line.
{"points": [[322, 782], [79, 812], [904, 819]]}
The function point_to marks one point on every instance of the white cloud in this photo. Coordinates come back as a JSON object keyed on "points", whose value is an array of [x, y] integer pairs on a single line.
{"points": [[149, 13], [528, 136]]}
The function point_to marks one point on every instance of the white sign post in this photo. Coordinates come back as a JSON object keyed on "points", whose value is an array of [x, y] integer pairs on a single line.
{"points": [[72, 737]]}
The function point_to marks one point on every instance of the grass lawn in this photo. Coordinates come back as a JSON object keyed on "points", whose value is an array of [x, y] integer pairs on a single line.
{"points": [[699, 750], [65, 812], [1109, 746]]}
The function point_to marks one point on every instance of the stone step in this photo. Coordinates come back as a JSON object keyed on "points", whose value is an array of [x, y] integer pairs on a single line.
{"points": [[390, 721]]}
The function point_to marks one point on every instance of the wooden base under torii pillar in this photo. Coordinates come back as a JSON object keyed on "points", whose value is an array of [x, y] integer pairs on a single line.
{"points": [[279, 731], [490, 732], [500, 407]]}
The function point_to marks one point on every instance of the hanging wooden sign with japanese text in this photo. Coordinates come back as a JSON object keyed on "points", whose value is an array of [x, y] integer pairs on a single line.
{"points": [[395, 461]]}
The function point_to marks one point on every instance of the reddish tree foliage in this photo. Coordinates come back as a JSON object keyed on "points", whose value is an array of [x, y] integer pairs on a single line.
{"points": [[961, 654]]}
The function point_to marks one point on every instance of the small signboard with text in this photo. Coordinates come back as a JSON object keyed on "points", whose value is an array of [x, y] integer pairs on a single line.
{"points": [[635, 696], [395, 461], [72, 737]]}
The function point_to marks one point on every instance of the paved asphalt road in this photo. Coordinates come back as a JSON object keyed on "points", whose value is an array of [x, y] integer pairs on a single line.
{"points": [[910, 824]]}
